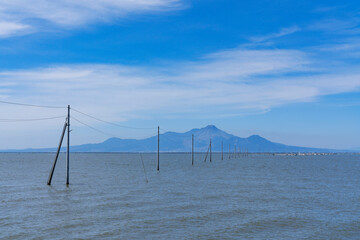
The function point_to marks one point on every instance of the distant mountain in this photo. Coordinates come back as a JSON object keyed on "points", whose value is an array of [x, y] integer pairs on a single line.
{"points": [[181, 142]]}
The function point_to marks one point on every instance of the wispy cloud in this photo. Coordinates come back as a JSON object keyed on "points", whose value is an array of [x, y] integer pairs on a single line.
{"points": [[226, 83], [19, 15], [229, 81], [8, 29], [337, 26], [281, 33], [325, 9]]}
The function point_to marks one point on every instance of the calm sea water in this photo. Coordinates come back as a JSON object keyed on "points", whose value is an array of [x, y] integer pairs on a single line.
{"points": [[109, 197]]}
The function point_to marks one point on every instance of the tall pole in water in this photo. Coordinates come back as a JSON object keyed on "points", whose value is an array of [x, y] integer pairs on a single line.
{"points": [[158, 155], [222, 150], [210, 150], [229, 151], [57, 154], [68, 146], [192, 150]]}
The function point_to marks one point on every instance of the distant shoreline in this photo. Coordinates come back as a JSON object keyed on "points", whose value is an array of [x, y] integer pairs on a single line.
{"points": [[250, 153]]}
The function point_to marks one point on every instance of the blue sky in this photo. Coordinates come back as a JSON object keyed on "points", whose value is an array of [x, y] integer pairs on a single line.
{"points": [[286, 70]]}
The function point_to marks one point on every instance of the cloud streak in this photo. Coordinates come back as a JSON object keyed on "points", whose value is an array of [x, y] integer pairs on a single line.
{"points": [[234, 80], [226, 83], [20, 15], [8, 29], [283, 32]]}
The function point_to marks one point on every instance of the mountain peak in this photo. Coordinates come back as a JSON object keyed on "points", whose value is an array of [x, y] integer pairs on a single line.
{"points": [[255, 137], [211, 127], [210, 131], [181, 142]]}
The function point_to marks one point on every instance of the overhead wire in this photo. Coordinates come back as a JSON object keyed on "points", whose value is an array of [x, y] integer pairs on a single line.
{"points": [[29, 120], [168, 138], [77, 120], [93, 128], [164, 129], [151, 135], [114, 124], [30, 105], [163, 135], [100, 131]]}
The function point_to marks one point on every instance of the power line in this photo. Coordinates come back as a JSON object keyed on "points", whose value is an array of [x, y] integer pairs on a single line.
{"points": [[30, 105], [150, 136], [101, 120], [95, 129], [30, 120], [100, 131], [171, 140], [165, 130], [168, 138]]}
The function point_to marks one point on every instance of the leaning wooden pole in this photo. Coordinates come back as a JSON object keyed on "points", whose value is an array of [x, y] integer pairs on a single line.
{"points": [[207, 153], [68, 147], [192, 150], [158, 152], [57, 154]]}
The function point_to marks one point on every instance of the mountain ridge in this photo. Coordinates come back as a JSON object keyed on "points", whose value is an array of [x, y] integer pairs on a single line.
{"points": [[181, 142]]}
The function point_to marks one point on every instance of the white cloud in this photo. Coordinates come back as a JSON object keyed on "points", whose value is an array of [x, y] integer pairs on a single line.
{"points": [[8, 29], [336, 26], [283, 32], [228, 82], [238, 79], [236, 64], [18, 15]]}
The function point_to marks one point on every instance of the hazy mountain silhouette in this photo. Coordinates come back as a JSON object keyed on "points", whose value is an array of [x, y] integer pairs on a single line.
{"points": [[181, 142]]}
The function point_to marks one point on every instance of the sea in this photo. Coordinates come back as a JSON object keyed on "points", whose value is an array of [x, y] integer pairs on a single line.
{"points": [[123, 196]]}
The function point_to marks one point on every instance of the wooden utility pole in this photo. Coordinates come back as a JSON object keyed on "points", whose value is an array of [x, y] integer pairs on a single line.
{"points": [[222, 150], [192, 150], [57, 154], [207, 153], [229, 151], [158, 153], [210, 150], [68, 146]]}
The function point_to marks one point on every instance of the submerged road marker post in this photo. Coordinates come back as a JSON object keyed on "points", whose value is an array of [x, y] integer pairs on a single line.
{"points": [[57, 154], [158, 153]]}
